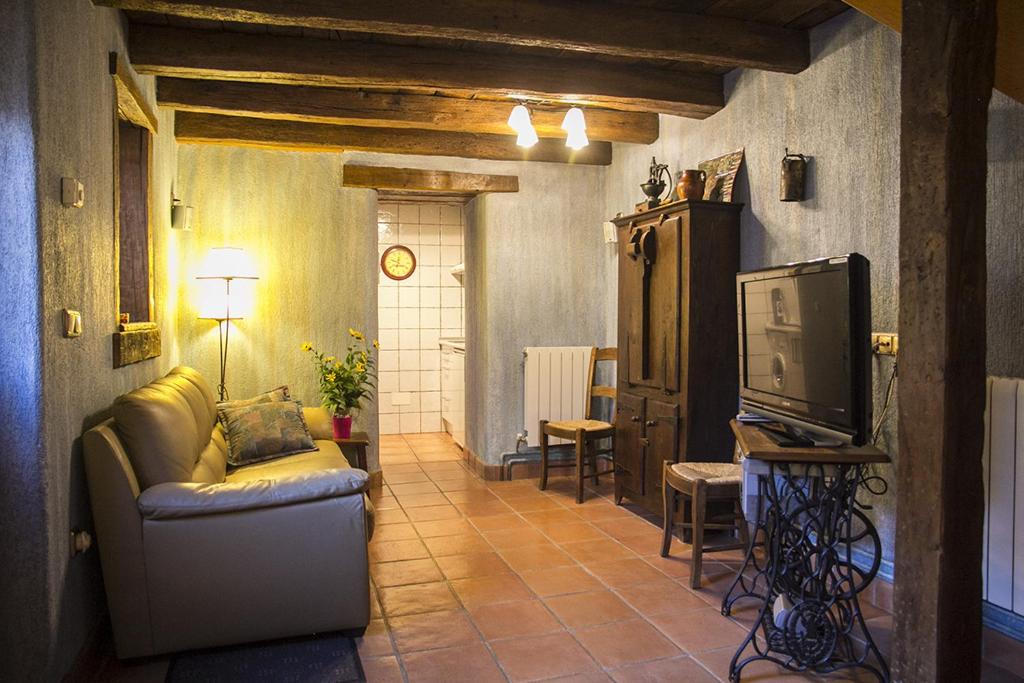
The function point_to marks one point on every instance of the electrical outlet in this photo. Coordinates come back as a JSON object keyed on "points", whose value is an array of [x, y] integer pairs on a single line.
{"points": [[885, 343]]}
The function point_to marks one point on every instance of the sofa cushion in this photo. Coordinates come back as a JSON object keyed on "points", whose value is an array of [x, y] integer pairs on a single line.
{"points": [[213, 460], [158, 428], [326, 456], [263, 431], [206, 408]]}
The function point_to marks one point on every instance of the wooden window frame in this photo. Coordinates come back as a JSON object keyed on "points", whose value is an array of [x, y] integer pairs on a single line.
{"points": [[134, 341]]}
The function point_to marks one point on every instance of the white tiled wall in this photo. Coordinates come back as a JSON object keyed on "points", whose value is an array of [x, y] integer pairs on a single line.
{"points": [[413, 313]]}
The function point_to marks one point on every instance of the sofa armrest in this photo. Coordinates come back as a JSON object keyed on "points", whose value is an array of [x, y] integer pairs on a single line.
{"points": [[185, 499]]}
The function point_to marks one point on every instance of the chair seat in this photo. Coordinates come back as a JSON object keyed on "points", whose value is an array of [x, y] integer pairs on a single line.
{"points": [[566, 429], [714, 473]]}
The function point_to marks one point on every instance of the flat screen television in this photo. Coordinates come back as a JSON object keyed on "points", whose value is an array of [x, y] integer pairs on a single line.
{"points": [[805, 346]]}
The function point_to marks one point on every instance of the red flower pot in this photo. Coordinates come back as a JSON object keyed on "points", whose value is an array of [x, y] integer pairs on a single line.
{"points": [[342, 425]]}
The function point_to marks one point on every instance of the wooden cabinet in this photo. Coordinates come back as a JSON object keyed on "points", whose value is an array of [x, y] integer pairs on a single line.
{"points": [[677, 373]]}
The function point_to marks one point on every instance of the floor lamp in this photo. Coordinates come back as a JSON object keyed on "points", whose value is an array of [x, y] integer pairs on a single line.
{"points": [[227, 264]]}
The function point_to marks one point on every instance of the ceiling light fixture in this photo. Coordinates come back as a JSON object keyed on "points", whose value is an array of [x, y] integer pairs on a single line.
{"points": [[519, 121], [576, 129]]}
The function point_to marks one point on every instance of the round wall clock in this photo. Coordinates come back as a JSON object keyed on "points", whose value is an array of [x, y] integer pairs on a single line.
{"points": [[398, 262]]}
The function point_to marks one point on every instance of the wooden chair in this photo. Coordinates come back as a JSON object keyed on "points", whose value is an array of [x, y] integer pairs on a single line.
{"points": [[703, 483], [585, 433]]}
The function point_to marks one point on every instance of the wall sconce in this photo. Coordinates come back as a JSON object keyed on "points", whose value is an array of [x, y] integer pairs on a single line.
{"points": [[793, 181], [227, 264], [181, 216]]}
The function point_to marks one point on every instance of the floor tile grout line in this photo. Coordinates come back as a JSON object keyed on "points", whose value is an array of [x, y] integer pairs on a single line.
{"points": [[575, 562], [454, 593]]}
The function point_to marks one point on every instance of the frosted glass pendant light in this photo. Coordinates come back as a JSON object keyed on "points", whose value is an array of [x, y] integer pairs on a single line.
{"points": [[576, 129], [519, 121]]}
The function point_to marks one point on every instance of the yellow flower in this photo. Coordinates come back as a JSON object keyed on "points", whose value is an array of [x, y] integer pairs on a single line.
{"points": [[329, 359], [338, 365], [306, 346], [376, 344], [364, 355], [360, 367], [355, 334], [331, 376]]}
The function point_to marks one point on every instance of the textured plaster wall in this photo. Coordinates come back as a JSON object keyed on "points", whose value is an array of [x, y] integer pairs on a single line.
{"points": [[23, 520], [74, 100], [843, 111], [314, 245], [538, 273]]}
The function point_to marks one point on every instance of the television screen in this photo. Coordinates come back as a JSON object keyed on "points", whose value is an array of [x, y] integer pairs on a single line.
{"points": [[805, 345]]}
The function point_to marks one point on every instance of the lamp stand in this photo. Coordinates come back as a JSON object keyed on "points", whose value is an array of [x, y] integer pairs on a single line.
{"points": [[223, 329]]}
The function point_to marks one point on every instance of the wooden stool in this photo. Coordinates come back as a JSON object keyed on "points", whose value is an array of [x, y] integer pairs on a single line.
{"points": [[585, 433], [704, 482]]}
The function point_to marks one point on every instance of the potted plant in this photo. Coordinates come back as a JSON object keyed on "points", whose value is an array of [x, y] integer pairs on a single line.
{"points": [[345, 382]]}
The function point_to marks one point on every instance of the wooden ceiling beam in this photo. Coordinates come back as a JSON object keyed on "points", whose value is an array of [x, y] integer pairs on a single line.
{"points": [[389, 110], [584, 26], [424, 180], [167, 51], [317, 137]]}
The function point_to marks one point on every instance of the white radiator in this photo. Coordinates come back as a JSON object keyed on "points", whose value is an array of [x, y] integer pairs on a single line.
{"points": [[554, 387], [1003, 462]]}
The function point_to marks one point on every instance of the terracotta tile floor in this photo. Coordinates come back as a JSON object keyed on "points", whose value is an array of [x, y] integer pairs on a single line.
{"points": [[496, 581], [481, 581]]}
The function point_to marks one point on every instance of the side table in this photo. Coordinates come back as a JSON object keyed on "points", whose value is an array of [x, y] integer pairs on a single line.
{"points": [[358, 442], [810, 522]]}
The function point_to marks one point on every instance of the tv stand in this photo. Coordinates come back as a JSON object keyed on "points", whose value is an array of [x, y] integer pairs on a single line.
{"points": [[810, 519]]}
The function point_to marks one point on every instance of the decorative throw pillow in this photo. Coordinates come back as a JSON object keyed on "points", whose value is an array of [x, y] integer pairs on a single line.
{"points": [[264, 431], [279, 394]]}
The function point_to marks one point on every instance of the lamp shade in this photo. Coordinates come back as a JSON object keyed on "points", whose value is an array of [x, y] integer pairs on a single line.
{"points": [[519, 121], [227, 263], [519, 118], [576, 128], [221, 295]]}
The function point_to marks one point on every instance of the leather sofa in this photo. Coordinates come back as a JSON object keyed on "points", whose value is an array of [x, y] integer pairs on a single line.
{"points": [[194, 555]]}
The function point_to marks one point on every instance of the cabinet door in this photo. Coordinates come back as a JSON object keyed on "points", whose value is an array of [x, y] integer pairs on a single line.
{"points": [[629, 451], [664, 306], [661, 428], [631, 313]]}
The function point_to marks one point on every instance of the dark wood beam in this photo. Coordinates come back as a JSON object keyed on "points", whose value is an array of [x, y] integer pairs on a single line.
{"points": [[318, 137], [389, 110], [424, 180], [131, 103], [166, 51], [946, 82], [580, 25]]}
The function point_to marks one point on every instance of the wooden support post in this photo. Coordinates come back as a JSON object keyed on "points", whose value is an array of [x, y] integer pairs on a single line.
{"points": [[946, 83]]}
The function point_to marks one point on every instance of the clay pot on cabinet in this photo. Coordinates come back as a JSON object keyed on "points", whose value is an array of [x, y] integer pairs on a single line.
{"points": [[691, 184]]}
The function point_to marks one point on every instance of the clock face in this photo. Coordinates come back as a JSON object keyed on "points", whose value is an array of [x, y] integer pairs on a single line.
{"points": [[398, 262]]}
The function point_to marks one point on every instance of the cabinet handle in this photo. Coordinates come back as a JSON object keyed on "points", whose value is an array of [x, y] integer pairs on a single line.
{"points": [[635, 418], [651, 423]]}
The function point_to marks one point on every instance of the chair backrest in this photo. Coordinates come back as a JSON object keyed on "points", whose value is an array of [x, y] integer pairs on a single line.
{"points": [[597, 355]]}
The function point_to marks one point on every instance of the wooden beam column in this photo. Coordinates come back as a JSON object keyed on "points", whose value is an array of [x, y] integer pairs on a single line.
{"points": [[946, 83]]}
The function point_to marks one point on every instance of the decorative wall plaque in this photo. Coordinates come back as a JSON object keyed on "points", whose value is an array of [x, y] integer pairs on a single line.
{"points": [[721, 175]]}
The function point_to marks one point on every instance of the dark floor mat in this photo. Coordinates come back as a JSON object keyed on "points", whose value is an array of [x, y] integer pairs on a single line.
{"points": [[330, 658]]}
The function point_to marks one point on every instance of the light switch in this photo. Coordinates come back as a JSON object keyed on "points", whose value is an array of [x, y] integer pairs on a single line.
{"points": [[72, 193], [72, 323], [610, 234]]}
